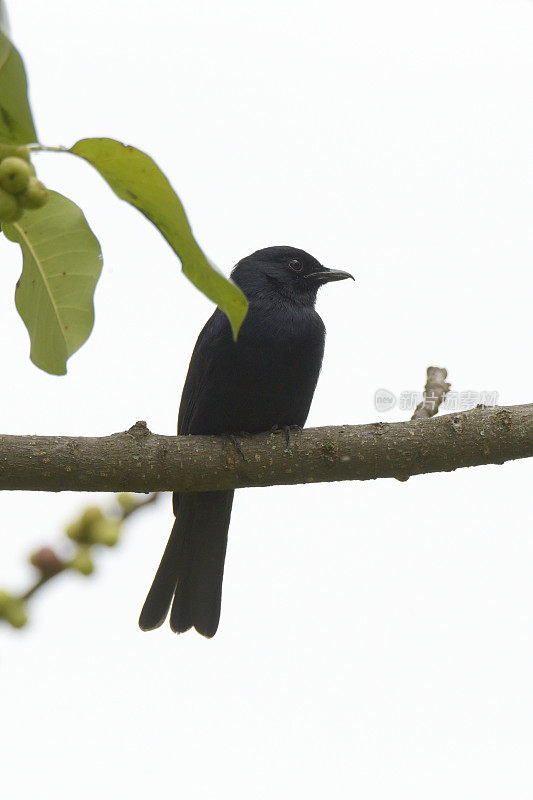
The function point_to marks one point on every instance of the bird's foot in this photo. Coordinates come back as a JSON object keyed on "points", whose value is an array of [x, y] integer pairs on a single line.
{"points": [[291, 428], [287, 429], [236, 444]]}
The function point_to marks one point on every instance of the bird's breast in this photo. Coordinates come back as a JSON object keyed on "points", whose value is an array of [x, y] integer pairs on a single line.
{"points": [[264, 379], [277, 361]]}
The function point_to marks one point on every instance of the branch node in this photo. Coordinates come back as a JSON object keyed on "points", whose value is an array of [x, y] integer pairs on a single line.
{"points": [[139, 429]]}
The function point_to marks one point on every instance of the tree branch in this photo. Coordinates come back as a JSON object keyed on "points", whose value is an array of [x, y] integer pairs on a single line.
{"points": [[140, 461]]}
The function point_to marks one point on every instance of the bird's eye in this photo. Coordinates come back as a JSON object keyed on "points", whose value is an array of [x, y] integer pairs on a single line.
{"points": [[296, 265]]}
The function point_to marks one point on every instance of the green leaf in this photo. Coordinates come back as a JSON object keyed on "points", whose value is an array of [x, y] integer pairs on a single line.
{"points": [[16, 122], [134, 177], [61, 266]]}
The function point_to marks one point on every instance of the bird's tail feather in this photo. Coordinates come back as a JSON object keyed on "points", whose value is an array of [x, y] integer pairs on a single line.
{"points": [[192, 566]]}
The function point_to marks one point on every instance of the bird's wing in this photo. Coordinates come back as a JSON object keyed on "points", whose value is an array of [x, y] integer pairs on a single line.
{"points": [[211, 342]]}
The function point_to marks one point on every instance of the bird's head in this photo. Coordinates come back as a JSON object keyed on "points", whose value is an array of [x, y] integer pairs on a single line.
{"points": [[287, 271]]}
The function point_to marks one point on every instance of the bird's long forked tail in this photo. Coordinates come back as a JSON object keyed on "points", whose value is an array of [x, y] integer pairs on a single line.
{"points": [[192, 566]]}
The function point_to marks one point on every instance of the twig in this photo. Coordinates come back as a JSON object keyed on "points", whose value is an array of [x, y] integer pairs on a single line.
{"points": [[50, 565], [434, 393]]}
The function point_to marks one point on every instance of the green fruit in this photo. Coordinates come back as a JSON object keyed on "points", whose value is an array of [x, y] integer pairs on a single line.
{"points": [[127, 501], [35, 194], [12, 610], [15, 613], [10, 207], [74, 531], [5, 600], [15, 174], [19, 151], [82, 530], [91, 515], [82, 561], [107, 532]]}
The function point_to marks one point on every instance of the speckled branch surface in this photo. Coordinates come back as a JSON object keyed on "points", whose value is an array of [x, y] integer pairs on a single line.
{"points": [[140, 461]]}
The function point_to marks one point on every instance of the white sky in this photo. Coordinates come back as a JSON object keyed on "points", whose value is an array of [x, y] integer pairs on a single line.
{"points": [[376, 639]]}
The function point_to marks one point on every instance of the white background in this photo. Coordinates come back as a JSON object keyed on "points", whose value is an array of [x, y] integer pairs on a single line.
{"points": [[376, 639]]}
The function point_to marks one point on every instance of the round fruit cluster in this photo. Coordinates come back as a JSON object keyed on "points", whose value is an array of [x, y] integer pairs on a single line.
{"points": [[19, 188]]}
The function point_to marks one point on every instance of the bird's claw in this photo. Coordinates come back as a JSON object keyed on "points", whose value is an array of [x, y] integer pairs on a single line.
{"points": [[287, 431], [236, 444]]}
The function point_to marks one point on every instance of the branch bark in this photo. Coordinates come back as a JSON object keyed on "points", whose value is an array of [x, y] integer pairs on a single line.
{"points": [[140, 461]]}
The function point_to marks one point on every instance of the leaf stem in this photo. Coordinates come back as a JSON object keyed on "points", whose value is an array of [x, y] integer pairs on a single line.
{"points": [[36, 148]]}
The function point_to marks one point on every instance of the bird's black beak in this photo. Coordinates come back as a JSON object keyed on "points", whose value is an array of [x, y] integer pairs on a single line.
{"points": [[327, 275]]}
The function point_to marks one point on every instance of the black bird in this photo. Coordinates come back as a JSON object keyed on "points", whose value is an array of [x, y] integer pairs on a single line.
{"points": [[265, 379]]}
